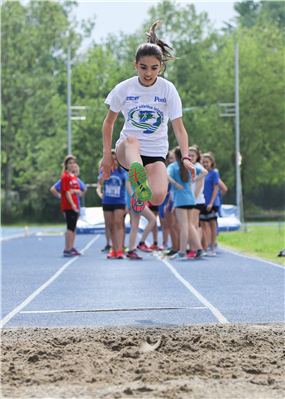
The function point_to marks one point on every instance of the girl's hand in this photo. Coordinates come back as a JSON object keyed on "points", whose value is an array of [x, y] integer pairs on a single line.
{"points": [[74, 207], [189, 166], [107, 165], [209, 207]]}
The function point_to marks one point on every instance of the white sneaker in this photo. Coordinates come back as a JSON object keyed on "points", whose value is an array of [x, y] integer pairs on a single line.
{"points": [[178, 256], [211, 252]]}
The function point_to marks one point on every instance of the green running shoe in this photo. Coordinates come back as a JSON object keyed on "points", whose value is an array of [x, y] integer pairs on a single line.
{"points": [[138, 179]]}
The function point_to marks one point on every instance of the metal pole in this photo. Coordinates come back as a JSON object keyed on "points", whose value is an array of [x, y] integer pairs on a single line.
{"points": [[238, 199], [68, 103]]}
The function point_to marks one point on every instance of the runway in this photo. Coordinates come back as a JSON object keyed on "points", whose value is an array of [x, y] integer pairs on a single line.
{"points": [[40, 288]]}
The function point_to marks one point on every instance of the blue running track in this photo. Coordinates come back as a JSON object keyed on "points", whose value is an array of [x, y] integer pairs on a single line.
{"points": [[40, 288]]}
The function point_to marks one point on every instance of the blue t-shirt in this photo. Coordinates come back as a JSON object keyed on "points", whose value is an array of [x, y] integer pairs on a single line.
{"points": [[114, 188], [185, 196], [82, 186], [211, 179]]}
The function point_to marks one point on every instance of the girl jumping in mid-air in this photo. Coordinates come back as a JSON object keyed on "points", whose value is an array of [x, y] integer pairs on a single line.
{"points": [[147, 102]]}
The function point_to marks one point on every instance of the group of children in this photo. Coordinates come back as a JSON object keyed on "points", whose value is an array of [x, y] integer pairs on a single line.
{"points": [[188, 215], [142, 163]]}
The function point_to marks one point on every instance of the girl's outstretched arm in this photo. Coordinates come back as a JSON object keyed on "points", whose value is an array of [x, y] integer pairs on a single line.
{"points": [[107, 163], [182, 138]]}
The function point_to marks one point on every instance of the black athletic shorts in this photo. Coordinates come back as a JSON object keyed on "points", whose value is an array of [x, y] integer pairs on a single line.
{"points": [[186, 207], [113, 207], [205, 215], [146, 160], [153, 208], [71, 219], [200, 207]]}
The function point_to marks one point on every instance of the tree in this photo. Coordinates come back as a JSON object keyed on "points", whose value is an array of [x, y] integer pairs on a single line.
{"points": [[257, 12], [261, 91], [248, 12], [34, 37]]}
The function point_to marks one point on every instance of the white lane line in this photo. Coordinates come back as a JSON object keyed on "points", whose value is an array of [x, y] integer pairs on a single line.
{"points": [[214, 310], [251, 257], [16, 236], [47, 283], [113, 310]]}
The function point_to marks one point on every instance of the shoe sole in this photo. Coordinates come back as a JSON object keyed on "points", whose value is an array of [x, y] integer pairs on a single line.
{"points": [[138, 180]]}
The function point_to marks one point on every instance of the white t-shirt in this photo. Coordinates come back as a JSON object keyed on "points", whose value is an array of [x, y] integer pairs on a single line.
{"points": [[200, 197], [146, 111]]}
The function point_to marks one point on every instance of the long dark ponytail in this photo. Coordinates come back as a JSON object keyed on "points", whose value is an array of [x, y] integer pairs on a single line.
{"points": [[182, 170], [155, 47]]}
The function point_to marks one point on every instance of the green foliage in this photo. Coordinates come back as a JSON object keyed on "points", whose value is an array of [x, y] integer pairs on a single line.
{"points": [[252, 12], [34, 93]]}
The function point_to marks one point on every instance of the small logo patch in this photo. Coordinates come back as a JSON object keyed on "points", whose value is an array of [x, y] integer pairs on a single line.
{"points": [[133, 98]]}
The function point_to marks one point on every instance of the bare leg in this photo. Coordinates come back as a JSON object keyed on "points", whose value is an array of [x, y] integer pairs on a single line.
{"points": [[184, 230], [193, 233], [119, 227], [171, 220], [205, 241], [134, 229], [155, 228], [69, 239], [213, 226], [158, 181], [129, 151], [73, 238], [107, 232], [110, 220], [165, 230], [149, 215]]}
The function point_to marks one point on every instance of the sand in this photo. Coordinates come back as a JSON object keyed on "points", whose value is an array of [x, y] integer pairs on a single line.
{"points": [[199, 361]]}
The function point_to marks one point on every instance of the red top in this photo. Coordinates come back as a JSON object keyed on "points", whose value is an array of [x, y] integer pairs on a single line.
{"points": [[68, 182]]}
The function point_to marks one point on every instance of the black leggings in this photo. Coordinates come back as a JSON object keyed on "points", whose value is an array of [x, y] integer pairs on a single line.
{"points": [[71, 219]]}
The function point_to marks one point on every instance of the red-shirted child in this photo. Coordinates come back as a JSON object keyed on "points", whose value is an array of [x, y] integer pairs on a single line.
{"points": [[69, 203]]}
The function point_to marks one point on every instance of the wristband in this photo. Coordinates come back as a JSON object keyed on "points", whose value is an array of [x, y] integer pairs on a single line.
{"points": [[189, 159], [59, 196]]}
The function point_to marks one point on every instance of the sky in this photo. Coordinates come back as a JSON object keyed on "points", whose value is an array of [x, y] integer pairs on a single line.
{"points": [[117, 15]]}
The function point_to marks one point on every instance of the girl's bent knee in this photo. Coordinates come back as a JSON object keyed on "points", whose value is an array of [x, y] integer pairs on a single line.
{"points": [[132, 140], [157, 198]]}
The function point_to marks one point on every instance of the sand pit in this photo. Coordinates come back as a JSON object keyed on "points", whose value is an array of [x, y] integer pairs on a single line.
{"points": [[200, 361]]}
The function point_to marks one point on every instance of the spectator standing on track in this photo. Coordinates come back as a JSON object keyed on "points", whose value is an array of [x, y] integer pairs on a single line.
{"points": [[198, 190], [114, 207], [69, 204], [209, 214], [56, 188], [184, 202], [147, 102], [170, 214], [135, 218]]}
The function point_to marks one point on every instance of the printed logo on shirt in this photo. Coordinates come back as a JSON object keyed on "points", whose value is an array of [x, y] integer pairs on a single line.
{"points": [[133, 99], [113, 187], [73, 182], [160, 100], [146, 117]]}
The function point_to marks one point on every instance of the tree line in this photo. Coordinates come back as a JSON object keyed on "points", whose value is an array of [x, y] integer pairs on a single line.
{"points": [[35, 37]]}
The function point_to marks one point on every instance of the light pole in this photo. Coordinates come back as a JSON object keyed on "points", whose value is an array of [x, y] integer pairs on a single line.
{"points": [[69, 107], [232, 110], [68, 103]]}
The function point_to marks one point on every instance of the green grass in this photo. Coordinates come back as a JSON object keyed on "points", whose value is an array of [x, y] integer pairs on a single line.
{"points": [[261, 241], [24, 224]]}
